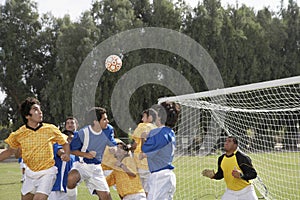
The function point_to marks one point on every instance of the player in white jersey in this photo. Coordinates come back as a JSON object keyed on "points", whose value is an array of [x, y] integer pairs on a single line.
{"points": [[89, 144]]}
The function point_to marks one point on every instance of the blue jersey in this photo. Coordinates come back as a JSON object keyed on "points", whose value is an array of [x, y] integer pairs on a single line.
{"points": [[88, 140], [63, 169], [159, 148], [75, 135]]}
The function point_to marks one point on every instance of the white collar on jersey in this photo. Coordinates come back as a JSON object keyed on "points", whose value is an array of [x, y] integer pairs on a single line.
{"points": [[94, 132]]}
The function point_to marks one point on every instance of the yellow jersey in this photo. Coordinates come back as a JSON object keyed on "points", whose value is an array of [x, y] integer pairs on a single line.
{"points": [[37, 144], [125, 184], [240, 161], [108, 160], [137, 136]]}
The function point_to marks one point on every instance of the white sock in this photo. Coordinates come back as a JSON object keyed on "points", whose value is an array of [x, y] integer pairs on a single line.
{"points": [[72, 193]]}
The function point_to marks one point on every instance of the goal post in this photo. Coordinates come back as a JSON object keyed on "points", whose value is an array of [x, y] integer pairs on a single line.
{"points": [[263, 116]]}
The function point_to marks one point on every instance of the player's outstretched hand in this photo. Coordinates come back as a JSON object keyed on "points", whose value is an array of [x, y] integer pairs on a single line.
{"points": [[112, 150], [144, 135], [142, 156], [65, 157], [94, 153], [208, 173], [236, 173], [118, 163], [88, 155]]}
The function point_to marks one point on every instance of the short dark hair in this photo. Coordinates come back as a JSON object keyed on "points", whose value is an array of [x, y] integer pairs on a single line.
{"points": [[124, 146], [168, 113], [68, 133], [26, 107], [94, 113], [71, 118], [151, 112], [234, 139]]}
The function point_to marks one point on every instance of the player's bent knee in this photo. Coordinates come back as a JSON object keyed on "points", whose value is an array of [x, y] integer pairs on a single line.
{"points": [[105, 195], [73, 179]]}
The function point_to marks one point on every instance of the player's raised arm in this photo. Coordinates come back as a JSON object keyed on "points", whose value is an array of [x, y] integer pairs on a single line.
{"points": [[87, 155], [208, 173], [7, 153], [66, 155]]}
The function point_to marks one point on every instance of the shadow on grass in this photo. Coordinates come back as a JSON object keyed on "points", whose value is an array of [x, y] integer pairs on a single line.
{"points": [[11, 183]]}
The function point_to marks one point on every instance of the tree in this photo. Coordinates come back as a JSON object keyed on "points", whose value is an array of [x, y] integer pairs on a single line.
{"points": [[19, 27], [142, 11], [291, 19], [74, 41]]}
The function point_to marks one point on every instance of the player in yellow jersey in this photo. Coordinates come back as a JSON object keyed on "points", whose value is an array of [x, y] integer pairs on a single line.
{"points": [[139, 135], [36, 140], [124, 175], [236, 168], [109, 160]]}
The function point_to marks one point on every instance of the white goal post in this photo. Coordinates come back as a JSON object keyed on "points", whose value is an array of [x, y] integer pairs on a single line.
{"points": [[265, 118]]}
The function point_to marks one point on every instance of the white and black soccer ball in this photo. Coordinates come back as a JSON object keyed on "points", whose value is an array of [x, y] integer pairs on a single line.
{"points": [[113, 63]]}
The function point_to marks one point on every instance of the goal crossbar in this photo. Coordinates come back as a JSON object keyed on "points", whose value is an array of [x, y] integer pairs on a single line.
{"points": [[236, 89]]}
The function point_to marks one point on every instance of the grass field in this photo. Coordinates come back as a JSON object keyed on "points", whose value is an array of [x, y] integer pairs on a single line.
{"points": [[10, 185], [191, 185], [279, 171]]}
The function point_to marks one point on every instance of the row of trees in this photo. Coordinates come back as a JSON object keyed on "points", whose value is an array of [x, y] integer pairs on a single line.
{"points": [[40, 55]]}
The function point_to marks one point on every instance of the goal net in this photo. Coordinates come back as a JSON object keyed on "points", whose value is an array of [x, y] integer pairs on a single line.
{"points": [[264, 117]]}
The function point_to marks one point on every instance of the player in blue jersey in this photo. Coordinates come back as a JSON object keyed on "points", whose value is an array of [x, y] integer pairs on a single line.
{"points": [[89, 144], [59, 191], [159, 148], [22, 167]]}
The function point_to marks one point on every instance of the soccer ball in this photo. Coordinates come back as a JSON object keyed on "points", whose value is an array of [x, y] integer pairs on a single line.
{"points": [[113, 63]]}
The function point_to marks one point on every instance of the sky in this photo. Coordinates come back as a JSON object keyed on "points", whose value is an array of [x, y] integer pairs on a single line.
{"points": [[75, 7]]}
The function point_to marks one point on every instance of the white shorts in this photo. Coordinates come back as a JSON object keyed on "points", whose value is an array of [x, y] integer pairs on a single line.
{"points": [[162, 185], [92, 175], [137, 196], [58, 195], [248, 193], [107, 172], [144, 176], [39, 182]]}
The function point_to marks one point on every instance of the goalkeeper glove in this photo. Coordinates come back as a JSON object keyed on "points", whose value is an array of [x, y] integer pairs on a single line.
{"points": [[208, 173]]}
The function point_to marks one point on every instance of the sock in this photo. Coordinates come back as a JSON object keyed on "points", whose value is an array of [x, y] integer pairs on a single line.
{"points": [[72, 193]]}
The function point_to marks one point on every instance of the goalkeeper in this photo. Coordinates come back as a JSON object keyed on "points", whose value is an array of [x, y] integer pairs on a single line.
{"points": [[236, 169]]}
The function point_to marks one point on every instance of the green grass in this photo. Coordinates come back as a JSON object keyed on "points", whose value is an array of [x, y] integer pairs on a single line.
{"points": [[279, 172], [282, 180], [10, 185]]}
